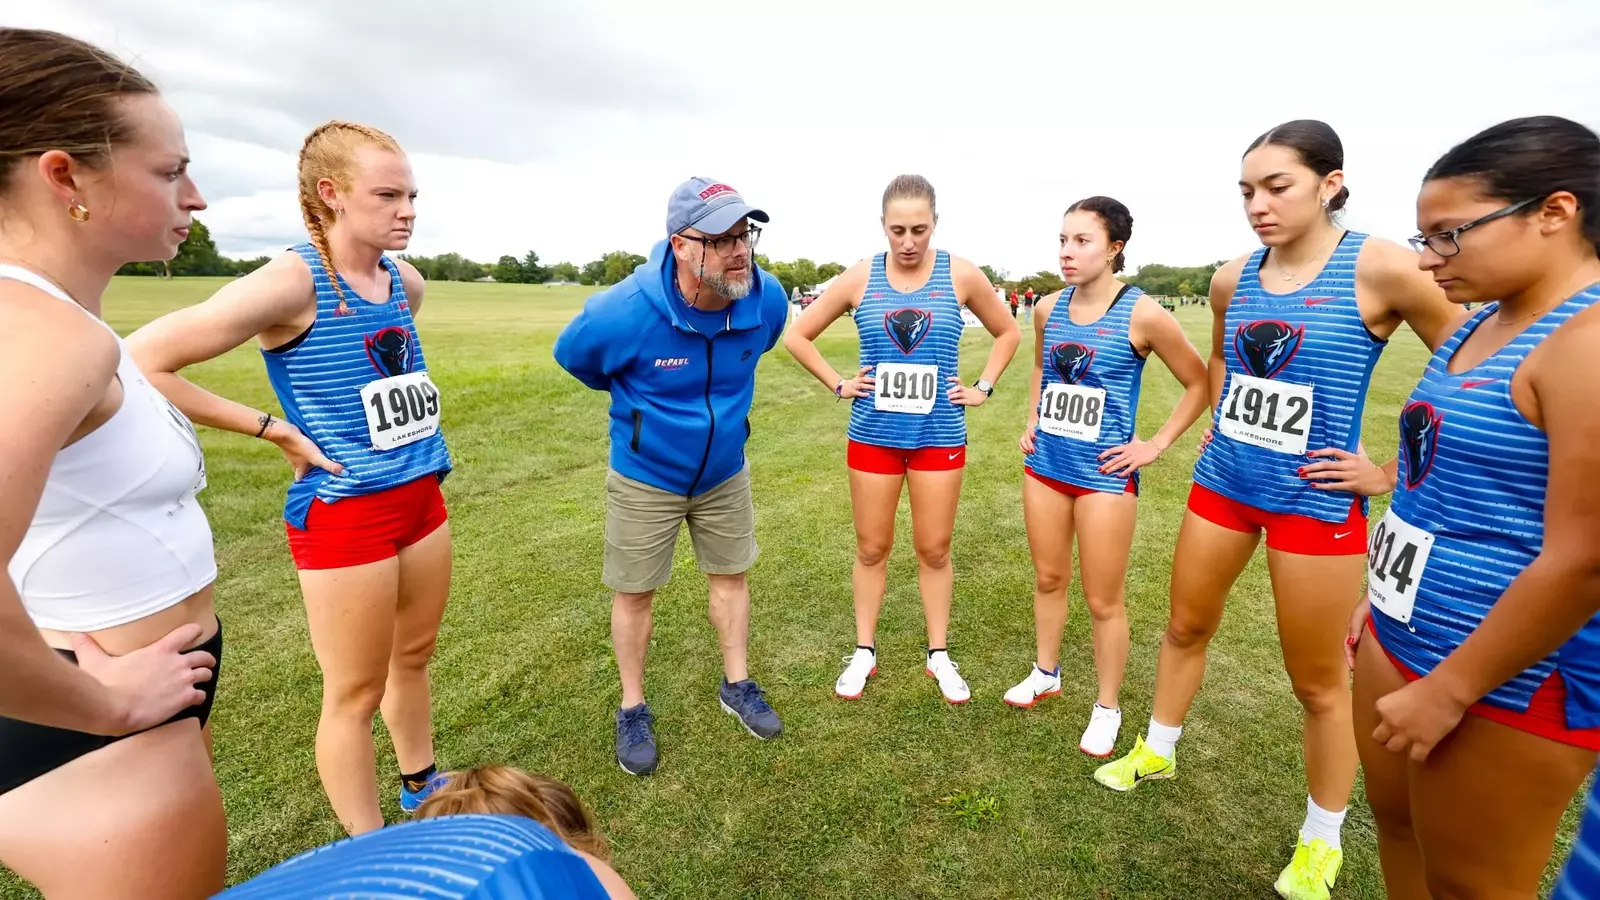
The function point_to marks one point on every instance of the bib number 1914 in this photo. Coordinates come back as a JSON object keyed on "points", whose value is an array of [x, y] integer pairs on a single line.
{"points": [[1397, 555], [401, 410]]}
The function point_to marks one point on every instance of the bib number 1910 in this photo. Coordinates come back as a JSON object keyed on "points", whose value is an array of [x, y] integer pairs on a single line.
{"points": [[1396, 558], [401, 410], [906, 388]]}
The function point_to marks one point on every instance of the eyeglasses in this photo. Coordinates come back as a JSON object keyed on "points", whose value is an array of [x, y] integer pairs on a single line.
{"points": [[724, 245], [1444, 243]]}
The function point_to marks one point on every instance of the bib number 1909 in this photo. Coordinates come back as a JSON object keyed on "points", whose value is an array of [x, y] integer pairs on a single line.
{"points": [[401, 410]]}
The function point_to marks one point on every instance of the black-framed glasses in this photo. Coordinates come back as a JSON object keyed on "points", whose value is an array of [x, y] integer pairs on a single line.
{"points": [[724, 245], [1444, 243]]}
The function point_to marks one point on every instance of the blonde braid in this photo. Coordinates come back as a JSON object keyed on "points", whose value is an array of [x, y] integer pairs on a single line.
{"points": [[329, 152]]}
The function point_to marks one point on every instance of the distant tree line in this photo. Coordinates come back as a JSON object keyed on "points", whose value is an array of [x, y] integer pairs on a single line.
{"points": [[198, 256]]}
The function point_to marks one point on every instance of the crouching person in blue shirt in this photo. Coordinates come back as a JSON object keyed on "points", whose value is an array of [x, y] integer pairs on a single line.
{"points": [[676, 345]]}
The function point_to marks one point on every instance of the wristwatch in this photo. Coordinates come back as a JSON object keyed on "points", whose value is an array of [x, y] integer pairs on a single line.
{"points": [[986, 387]]}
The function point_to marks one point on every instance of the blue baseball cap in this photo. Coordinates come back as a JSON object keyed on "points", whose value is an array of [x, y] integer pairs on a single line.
{"points": [[709, 205]]}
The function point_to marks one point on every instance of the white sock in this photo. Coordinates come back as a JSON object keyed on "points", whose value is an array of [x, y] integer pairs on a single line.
{"points": [[1322, 824], [938, 657], [1163, 739]]}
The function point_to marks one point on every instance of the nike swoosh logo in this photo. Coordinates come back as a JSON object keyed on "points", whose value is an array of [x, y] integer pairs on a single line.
{"points": [[1104, 331], [955, 454], [1339, 536], [1468, 385], [1317, 301]]}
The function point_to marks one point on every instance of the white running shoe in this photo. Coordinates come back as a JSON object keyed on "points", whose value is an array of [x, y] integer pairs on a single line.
{"points": [[951, 684], [862, 664], [1037, 686], [1100, 738]]}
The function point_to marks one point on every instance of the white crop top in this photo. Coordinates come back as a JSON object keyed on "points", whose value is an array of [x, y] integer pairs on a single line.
{"points": [[118, 534]]}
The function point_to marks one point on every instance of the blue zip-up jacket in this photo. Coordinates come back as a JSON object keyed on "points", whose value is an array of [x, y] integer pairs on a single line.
{"points": [[680, 394]]}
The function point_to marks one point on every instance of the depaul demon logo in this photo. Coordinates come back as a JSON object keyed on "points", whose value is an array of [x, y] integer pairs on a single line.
{"points": [[1265, 346], [390, 350], [907, 327], [1419, 440], [1072, 361]]}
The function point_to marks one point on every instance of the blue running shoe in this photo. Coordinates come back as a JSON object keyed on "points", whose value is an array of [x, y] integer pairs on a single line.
{"points": [[636, 740], [744, 699], [410, 800]]}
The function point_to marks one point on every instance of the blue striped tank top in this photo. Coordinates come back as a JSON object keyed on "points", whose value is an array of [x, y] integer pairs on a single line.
{"points": [[1091, 372], [1470, 498], [462, 857], [1298, 367], [1580, 880], [913, 341], [319, 380]]}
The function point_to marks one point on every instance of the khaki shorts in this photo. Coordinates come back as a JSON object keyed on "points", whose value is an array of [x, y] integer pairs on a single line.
{"points": [[642, 525]]}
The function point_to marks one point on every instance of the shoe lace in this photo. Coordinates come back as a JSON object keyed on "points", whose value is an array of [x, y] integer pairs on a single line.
{"points": [[752, 698], [1319, 857], [635, 728]]}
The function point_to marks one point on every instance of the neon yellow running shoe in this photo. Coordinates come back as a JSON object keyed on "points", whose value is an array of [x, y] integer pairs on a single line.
{"points": [[1141, 764], [1310, 875]]}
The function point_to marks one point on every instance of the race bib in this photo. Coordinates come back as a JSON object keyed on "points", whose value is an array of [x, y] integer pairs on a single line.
{"points": [[1072, 411], [1396, 558], [1275, 415], [401, 410], [905, 388]]}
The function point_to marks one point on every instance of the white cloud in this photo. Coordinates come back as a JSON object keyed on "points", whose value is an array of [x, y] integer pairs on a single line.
{"points": [[563, 128]]}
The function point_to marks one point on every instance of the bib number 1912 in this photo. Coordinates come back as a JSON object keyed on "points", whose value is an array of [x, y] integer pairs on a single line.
{"points": [[401, 410], [1271, 414]]}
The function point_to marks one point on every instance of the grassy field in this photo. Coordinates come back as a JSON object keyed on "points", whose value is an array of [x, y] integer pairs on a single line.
{"points": [[899, 795]]}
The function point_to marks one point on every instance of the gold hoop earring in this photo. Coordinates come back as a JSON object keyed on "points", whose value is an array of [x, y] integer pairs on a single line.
{"points": [[78, 212]]}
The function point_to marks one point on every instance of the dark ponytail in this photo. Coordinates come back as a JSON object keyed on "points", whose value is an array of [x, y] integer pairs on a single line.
{"points": [[1115, 217], [1532, 157]]}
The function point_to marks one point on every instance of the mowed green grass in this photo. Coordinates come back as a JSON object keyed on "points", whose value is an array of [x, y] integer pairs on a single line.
{"points": [[851, 801]]}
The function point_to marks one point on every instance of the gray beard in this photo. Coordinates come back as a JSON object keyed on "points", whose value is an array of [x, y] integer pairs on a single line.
{"points": [[729, 289]]}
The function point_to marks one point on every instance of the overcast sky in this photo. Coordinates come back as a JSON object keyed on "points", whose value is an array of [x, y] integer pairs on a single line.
{"points": [[546, 126]]}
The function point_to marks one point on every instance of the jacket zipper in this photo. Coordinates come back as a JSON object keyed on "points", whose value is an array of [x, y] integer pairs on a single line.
{"points": [[711, 413]]}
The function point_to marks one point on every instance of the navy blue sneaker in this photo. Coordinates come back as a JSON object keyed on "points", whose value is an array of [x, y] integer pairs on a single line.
{"points": [[636, 740], [410, 800], [744, 699]]}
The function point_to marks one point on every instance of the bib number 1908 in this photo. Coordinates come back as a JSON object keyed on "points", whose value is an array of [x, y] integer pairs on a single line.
{"points": [[401, 410]]}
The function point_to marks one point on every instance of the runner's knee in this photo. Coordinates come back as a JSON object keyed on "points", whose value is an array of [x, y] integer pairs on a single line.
{"points": [[1188, 632], [358, 696], [1105, 607], [1048, 580], [934, 554], [871, 553], [1323, 693]]}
